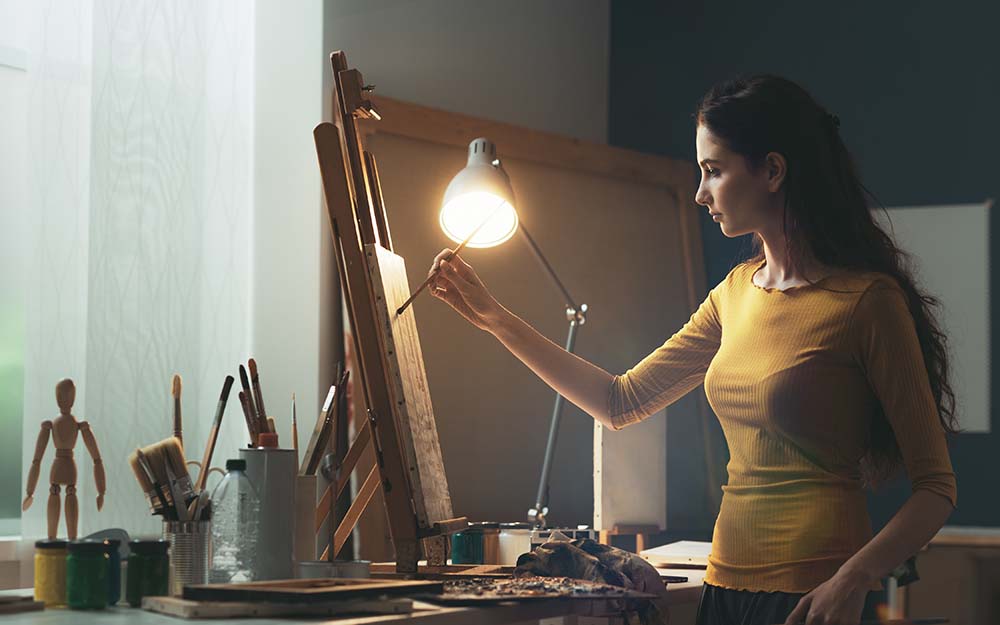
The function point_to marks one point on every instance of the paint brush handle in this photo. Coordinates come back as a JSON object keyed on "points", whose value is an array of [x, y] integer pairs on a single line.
{"points": [[250, 419], [258, 397], [248, 391], [213, 435], [295, 431], [175, 390]]}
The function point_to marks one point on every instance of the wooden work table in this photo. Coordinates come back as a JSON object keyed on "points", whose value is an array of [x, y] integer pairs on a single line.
{"points": [[683, 600]]}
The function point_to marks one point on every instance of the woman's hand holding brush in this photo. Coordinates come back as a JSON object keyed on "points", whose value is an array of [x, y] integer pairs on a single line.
{"points": [[456, 283]]}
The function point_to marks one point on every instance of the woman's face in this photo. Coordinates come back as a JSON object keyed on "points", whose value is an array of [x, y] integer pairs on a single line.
{"points": [[743, 200]]}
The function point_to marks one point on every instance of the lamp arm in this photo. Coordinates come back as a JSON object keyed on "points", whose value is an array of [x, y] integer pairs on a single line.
{"points": [[538, 514], [570, 303], [576, 316]]}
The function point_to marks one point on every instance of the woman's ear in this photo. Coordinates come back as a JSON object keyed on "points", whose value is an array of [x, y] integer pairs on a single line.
{"points": [[776, 167]]}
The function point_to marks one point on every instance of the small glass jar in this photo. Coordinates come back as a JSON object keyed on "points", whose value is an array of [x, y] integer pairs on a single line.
{"points": [[148, 570], [50, 572], [515, 539], [112, 546], [491, 541], [467, 546], [87, 575]]}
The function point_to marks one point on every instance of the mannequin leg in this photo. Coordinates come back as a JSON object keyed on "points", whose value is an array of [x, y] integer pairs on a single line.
{"points": [[53, 511], [72, 512]]}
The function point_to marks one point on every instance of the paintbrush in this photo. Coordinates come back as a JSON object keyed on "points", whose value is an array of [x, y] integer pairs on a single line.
{"points": [[165, 453], [295, 432], [213, 434], [150, 487], [452, 254], [245, 383], [258, 397], [251, 421], [175, 391], [329, 423], [314, 450], [173, 484]]}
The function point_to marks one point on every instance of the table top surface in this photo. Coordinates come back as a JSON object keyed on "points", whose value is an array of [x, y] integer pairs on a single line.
{"points": [[423, 613]]}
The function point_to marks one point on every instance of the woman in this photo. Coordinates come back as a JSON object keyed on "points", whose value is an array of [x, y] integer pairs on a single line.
{"points": [[832, 376]]}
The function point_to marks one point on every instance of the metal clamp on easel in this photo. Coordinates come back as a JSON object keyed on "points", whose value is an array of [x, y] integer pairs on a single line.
{"points": [[401, 426]]}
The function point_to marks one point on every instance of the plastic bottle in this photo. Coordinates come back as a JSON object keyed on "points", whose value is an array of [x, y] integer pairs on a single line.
{"points": [[235, 510]]}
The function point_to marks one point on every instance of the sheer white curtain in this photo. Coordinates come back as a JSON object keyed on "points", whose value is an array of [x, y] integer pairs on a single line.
{"points": [[140, 219]]}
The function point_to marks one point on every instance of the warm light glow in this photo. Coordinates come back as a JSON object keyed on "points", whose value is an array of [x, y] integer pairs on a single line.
{"points": [[462, 215]]}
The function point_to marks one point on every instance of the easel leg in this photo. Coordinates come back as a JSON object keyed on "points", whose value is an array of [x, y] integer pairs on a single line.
{"points": [[436, 550]]}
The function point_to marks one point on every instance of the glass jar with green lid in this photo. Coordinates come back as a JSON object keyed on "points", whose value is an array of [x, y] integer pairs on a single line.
{"points": [[87, 575], [148, 570], [467, 545], [50, 572]]}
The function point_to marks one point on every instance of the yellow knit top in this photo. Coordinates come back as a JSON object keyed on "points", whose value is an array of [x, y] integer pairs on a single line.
{"points": [[795, 378]]}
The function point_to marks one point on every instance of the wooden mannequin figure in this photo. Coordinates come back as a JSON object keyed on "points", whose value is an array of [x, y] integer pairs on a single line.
{"points": [[64, 429]]}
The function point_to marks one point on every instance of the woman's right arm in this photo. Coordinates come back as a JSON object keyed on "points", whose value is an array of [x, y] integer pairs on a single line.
{"points": [[583, 383], [658, 380]]}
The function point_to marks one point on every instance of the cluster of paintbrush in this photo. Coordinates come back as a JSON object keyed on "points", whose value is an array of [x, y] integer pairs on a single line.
{"points": [[161, 468], [252, 402]]}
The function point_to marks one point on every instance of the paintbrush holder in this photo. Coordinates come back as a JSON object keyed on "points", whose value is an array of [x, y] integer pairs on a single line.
{"points": [[272, 472], [190, 552]]}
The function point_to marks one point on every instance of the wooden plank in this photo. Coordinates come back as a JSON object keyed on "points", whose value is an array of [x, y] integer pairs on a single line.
{"points": [[347, 94], [308, 590], [334, 490], [615, 464], [186, 608], [411, 399], [358, 506], [455, 129]]}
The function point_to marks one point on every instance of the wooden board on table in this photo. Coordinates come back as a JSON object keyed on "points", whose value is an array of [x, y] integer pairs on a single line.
{"points": [[186, 608], [680, 553], [309, 590], [408, 389], [14, 605], [615, 464]]}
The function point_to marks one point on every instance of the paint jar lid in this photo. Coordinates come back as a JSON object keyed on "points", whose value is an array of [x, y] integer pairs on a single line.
{"points": [[52, 543], [515, 526], [236, 464], [267, 439], [149, 547], [87, 546]]}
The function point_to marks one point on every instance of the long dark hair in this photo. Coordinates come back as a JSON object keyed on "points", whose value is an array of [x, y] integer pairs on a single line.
{"points": [[826, 215]]}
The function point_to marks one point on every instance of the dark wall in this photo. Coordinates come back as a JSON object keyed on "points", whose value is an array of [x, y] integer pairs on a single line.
{"points": [[917, 88]]}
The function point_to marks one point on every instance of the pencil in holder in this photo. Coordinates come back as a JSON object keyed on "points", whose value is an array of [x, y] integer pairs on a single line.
{"points": [[190, 552]]}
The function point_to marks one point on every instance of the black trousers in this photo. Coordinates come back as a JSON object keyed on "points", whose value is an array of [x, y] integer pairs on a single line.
{"points": [[723, 606]]}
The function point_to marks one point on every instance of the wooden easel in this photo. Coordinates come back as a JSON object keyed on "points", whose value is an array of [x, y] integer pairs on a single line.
{"points": [[400, 421]]}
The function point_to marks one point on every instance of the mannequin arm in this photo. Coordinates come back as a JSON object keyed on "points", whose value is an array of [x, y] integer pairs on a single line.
{"points": [[40, 444], [95, 453]]}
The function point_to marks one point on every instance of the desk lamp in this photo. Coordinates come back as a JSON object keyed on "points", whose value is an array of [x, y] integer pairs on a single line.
{"points": [[482, 191]]}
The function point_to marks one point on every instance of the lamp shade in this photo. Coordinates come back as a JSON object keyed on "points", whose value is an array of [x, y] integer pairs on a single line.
{"points": [[480, 190]]}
